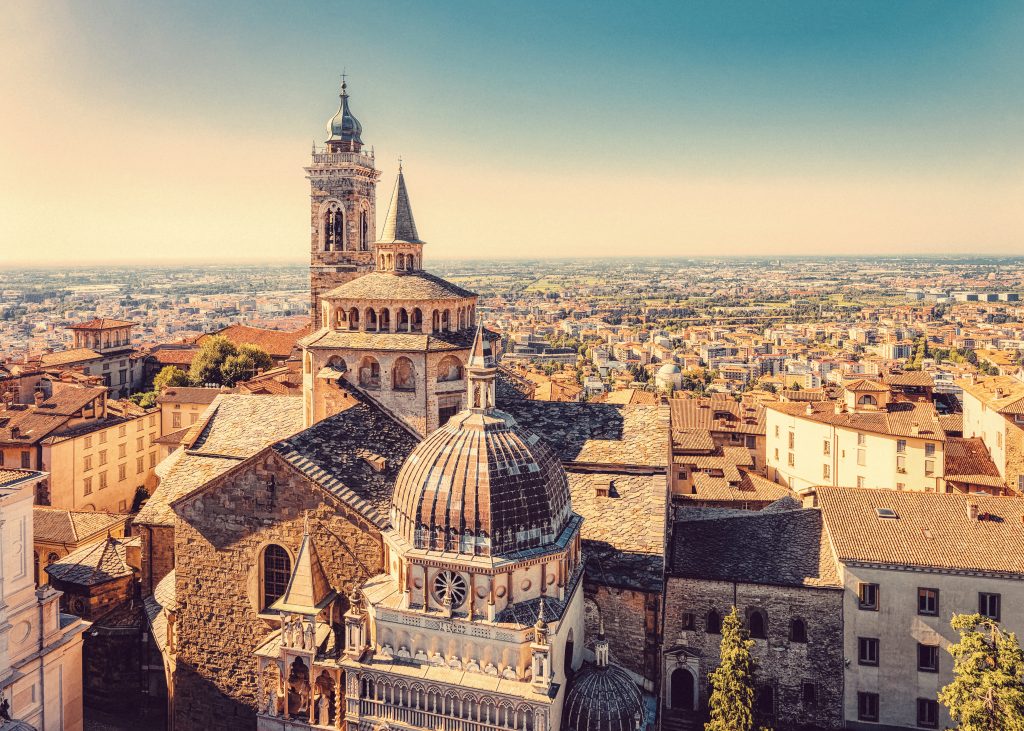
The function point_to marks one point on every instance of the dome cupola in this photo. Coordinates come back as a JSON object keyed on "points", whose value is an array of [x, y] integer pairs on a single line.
{"points": [[481, 484], [344, 129], [602, 696]]}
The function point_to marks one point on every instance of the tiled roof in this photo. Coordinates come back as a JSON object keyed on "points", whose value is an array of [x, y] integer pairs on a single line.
{"points": [[179, 356], [10, 477], [1004, 394], [910, 378], [705, 413], [930, 530], [623, 534], [630, 396], [597, 433], [897, 419], [54, 525], [188, 395], [696, 440], [101, 323], [70, 400], [968, 460], [65, 357], [232, 428], [398, 286], [92, 565], [31, 425], [782, 548], [750, 488], [952, 423], [334, 453], [863, 384], [278, 343]]}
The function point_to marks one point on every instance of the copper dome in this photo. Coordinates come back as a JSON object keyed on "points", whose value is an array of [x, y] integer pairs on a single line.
{"points": [[481, 485]]}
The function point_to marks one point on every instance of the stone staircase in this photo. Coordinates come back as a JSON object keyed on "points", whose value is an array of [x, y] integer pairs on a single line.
{"points": [[681, 722]]}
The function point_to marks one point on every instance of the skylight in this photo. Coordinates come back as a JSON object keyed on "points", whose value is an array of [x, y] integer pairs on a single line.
{"points": [[886, 513]]}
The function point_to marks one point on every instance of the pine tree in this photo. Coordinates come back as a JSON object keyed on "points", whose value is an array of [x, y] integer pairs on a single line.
{"points": [[732, 696], [987, 691]]}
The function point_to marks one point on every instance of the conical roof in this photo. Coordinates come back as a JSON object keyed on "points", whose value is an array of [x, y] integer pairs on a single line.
{"points": [[399, 226], [308, 590]]}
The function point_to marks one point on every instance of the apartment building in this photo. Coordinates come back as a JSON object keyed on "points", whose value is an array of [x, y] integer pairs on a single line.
{"points": [[862, 439], [180, 407], [909, 561]]}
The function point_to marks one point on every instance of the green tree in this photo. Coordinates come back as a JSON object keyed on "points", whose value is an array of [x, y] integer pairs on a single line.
{"points": [[145, 399], [170, 376], [246, 363], [732, 696], [207, 363], [987, 691]]}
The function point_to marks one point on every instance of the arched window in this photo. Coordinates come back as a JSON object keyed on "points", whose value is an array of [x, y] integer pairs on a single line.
{"points": [[757, 623], [35, 560], [403, 320], [337, 363], [449, 369], [867, 400], [570, 648], [797, 631], [334, 229], [714, 623], [446, 318], [403, 375], [369, 372], [364, 231], [353, 319], [416, 320], [277, 569], [371, 318], [435, 321], [384, 323]]}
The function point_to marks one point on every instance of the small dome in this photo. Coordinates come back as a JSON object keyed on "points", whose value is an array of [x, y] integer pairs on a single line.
{"points": [[343, 126], [603, 699], [669, 369], [481, 485]]}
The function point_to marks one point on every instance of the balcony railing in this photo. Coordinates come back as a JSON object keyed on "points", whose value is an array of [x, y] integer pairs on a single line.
{"points": [[341, 158], [421, 718]]}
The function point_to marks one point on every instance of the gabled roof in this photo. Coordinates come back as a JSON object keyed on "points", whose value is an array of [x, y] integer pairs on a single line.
{"points": [[707, 414], [94, 564], [188, 395], [931, 530], [968, 460], [69, 400], [9, 478], [55, 525], [101, 323], [278, 343], [863, 384], [751, 488], [66, 357], [1004, 394], [896, 419]]}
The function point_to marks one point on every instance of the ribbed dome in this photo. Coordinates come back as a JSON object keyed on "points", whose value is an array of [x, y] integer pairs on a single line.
{"points": [[483, 485], [602, 699], [343, 126]]}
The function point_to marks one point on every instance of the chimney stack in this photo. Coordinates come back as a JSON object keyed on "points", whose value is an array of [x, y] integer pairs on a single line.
{"points": [[39, 396], [972, 511]]}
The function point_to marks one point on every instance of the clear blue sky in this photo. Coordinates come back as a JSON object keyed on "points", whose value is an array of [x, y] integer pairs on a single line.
{"points": [[527, 128]]}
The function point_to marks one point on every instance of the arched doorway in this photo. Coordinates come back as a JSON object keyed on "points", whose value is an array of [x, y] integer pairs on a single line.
{"points": [[681, 698]]}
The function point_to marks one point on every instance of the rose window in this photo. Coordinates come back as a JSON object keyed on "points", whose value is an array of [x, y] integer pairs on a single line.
{"points": [[452, 584]]}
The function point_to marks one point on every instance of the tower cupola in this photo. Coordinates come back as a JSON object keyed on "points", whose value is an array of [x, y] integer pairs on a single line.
{"points": [[399, 248], [344, 129]]}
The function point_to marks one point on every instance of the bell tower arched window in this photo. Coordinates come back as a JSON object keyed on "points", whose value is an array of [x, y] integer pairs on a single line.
{"points": [[334, 229], [364, 231]]}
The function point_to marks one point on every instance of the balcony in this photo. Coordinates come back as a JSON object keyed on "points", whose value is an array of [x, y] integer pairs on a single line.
{"points": [[343, 158]]}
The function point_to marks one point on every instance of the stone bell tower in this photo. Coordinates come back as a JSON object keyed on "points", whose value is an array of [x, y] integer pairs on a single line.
{"points": [[342, 206]]}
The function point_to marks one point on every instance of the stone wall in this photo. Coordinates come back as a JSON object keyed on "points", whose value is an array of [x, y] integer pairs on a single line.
{"points": [[782, 664], [220, 539], [157, 554], [631, 620]]}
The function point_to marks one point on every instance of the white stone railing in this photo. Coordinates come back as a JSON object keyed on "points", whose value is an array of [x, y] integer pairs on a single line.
{"points": [[339, 158], [422, 718]]}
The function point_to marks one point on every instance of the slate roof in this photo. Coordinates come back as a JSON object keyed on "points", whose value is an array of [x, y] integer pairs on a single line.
{"points": [[780, 548], [55, 525], [399, 224], [398, 286], [333, 454], [452, 340], [94, 564], [623, 534], [750, 488], [896, 419], [64, 357], [931, 530], [233, 428], [609, 434], [187, 395]]}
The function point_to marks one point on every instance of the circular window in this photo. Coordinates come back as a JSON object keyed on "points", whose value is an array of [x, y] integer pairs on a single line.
{"points": [[452, 584]]}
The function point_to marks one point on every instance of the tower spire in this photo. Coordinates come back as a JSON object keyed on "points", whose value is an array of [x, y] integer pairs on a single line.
{"points": [[399, 225], [481, 372]]}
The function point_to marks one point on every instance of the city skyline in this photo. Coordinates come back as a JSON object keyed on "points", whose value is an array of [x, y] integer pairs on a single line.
{"points": [[742, 129]]}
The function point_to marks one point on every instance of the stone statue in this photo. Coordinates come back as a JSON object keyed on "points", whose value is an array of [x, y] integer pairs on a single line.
{"points": [[272, 701], [307, 636], [323, 710], [286, 632]]}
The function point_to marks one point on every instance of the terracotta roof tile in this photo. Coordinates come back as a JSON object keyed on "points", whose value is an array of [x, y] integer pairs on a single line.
{"points": [[54, 525]]}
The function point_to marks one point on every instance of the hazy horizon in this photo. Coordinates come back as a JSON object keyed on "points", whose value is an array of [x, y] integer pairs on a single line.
{"points": [[676, 130]]}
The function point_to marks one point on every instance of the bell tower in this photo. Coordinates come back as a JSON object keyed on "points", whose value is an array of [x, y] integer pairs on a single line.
{"points": [[342, 203]]}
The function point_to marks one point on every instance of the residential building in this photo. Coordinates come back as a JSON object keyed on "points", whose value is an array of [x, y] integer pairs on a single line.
{"points": [[993, 409]]}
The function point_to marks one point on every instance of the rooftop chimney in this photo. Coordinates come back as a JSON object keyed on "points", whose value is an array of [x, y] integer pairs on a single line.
{"points": [[39, 396], [972, 511], [915, 428]]}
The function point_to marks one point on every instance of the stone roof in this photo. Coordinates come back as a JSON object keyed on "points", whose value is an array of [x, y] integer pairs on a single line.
{"points": [[609, 434], [233, 428], [55, 525], [689, 414], [896, 419], [65, 357], [94, 564], [398, 287], [340, 455], [399, 225], [484, 478], [930, 530], [750, 488], [623, 534], [780, 548], [419, 342]]}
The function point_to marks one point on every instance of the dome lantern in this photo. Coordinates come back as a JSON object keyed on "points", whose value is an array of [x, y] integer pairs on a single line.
{"points": [[344, 129]]}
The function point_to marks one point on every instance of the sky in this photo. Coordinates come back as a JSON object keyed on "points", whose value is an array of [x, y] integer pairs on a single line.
{"points": [[177, 131]]}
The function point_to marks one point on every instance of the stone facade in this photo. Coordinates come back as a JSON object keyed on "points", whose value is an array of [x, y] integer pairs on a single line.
{"points": [[220, 541], [157, 554], [632, 620], [783, 665]]}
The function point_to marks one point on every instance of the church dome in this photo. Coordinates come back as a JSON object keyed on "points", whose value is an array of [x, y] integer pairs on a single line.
{"points": [[343, 126], [669, 369], [602, 699], [481, 485]]}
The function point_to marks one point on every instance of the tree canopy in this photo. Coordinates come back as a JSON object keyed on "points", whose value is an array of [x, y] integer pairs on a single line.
{"points": [[732, 696]]}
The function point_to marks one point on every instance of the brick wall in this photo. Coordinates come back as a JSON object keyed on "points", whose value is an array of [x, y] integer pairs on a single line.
{"points": [[219, 544], [782, 664]]}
